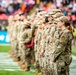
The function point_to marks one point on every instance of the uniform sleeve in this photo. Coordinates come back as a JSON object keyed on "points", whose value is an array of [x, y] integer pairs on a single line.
{"points": [[29, 37], [53, 29], [62, 43]]}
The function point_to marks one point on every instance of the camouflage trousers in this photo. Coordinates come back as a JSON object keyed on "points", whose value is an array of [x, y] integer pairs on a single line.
{"points": [[25, 54], [56, 69], [61, 68], [49, 67], [15, 47], [11, 44]]}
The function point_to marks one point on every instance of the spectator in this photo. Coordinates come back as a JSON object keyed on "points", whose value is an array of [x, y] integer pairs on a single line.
{"points": [[3, 26], [62, 8], [16, 5], [1, 10], [0, 2], [10, 9], [58, 3], [70, 5], [74, 7]]}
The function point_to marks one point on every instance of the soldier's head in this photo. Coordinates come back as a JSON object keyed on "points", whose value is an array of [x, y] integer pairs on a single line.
{"points": [[27, 24], [10, 19], [56, 10], [57, 15], [16, 17], [63, 21], [51, 13], [66, 22], [22, 17]]}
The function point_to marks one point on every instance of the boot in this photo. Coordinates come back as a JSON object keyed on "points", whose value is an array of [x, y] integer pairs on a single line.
{"points": [[40, 73], [22, 66], [20, 63], [15, 59], [26, 69], [11, 52], [12, 56], [36, 70]]}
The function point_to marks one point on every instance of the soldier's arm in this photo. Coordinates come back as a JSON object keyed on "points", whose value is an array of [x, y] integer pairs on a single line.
{"points": [[28, 38], [34, 27], [62, 43], [53, 29]]}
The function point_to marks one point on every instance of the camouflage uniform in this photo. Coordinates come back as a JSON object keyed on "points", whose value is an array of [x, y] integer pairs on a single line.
{"points": [[47, 66], [44, 64], [39, 41], [26, 51], [37, 47], [47, 69], [14, 41], [15, 34], [47, 37], [20, 31], [10, 30], [61, 52]]}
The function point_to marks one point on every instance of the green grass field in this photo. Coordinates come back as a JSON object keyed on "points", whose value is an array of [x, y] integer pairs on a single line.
{"points": [[2, 72], [19, 72], [74, 50], [4, 48]]}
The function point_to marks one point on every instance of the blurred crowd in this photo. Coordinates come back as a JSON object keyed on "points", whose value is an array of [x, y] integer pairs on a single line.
{"points": [[68, 7], [11, 7]]}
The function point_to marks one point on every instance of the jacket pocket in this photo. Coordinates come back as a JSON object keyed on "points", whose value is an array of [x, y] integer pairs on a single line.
{"points": [[61, 68], [68, 59]]}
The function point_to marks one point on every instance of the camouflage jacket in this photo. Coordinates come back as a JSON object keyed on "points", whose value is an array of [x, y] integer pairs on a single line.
{"points": [[62, 44]]}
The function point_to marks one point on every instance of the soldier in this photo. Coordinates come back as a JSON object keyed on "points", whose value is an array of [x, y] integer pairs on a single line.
{"points": [[47, 64], [45, 46], [26, 50], [38, 34], [10, 30], [20, 30], [15, 39], [40, 20], [49, 30], [61, 49], [37, 46], [40, 45]]}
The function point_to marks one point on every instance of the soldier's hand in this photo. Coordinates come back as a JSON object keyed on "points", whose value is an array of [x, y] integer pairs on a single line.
{"points": [[21, 42]]}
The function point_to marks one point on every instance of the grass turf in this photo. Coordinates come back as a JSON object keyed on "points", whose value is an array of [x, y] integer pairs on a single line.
{"points": [[74, 50], [4, 48], [4, 72]]}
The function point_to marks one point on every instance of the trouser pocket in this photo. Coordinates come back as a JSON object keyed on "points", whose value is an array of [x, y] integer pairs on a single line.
{"points": [[68, 59], [61, 68]]}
